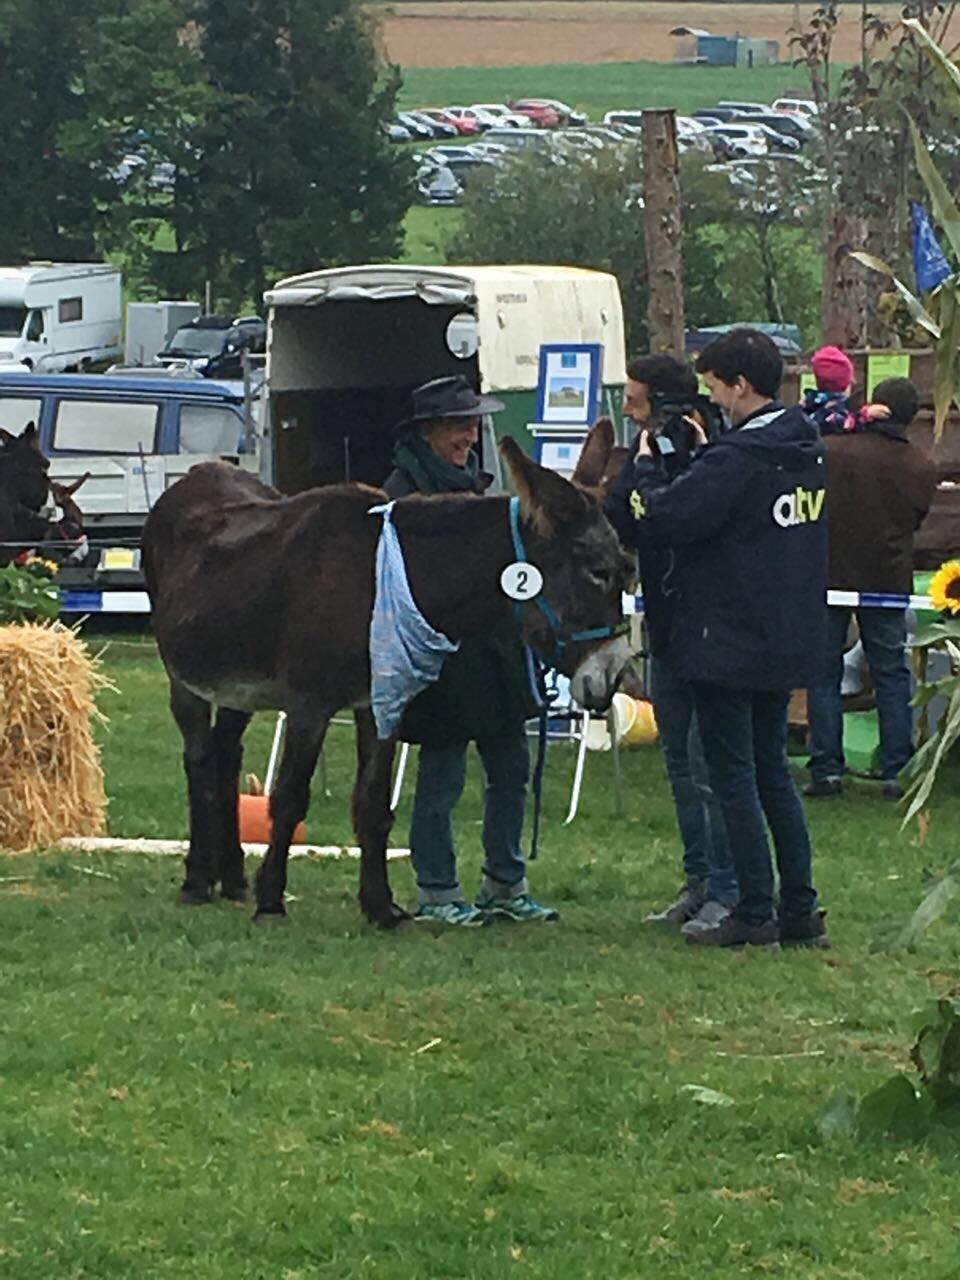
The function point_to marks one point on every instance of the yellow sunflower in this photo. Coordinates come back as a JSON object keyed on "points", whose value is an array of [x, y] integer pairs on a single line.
{"points": [[945, 587]]}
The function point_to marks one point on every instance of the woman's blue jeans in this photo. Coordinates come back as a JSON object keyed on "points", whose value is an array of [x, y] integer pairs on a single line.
{"points": [[441, 775]]}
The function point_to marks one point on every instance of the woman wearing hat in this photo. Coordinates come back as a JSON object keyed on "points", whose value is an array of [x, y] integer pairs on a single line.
{"points": [[483, 694]]}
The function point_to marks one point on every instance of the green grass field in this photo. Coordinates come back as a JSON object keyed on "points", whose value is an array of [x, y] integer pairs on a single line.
{"points": [[186, 1095], [600, 87]]}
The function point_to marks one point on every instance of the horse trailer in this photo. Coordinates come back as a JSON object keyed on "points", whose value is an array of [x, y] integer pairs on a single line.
{"points": [[57, 317], [346, 346]]}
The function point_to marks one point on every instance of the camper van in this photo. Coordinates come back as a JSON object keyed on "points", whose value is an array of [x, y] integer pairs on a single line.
{"points": [[58, 317], [346, 346]]}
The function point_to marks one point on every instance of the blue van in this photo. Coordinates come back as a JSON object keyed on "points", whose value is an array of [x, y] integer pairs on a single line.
{"points": [[133, 436]]}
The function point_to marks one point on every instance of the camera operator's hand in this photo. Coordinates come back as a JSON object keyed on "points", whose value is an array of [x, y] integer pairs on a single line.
{"points": [[699, 435]]}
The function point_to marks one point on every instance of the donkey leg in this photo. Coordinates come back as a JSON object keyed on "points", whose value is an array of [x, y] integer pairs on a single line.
{"points": [[228, 732], [372, 820], [192, 715], [306, 728]]}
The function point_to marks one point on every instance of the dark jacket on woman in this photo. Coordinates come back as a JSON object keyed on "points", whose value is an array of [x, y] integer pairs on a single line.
{"points": [[879, 488], [748, 530], [484, 688]]}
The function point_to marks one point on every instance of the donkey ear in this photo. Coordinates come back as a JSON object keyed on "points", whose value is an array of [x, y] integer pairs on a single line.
{"points": [[28, 436], [6, 437], [546, 499], [594, 455]]}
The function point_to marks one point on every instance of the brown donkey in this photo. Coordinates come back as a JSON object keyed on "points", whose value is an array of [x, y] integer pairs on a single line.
{"points": [[263, 602]]}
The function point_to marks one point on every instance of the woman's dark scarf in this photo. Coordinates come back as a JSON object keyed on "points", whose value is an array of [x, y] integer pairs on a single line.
{"points": [[431, 474]]}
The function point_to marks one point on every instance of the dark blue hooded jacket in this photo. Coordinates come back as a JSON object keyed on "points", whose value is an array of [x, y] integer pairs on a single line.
{"points": [[746, 523]]}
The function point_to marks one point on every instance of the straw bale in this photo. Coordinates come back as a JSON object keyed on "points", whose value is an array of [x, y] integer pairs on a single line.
{"points": [[51, 782]]}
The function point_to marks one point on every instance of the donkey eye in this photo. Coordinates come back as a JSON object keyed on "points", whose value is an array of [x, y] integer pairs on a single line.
{"points": [[599, 578]]}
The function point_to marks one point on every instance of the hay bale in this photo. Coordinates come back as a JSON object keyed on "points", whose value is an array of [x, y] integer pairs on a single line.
{"points": [[51, 782]]}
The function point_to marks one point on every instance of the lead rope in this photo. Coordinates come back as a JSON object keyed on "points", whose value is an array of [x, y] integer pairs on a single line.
{"points": [[536, 673]]}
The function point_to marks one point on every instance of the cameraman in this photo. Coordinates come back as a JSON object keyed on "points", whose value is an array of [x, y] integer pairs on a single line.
{"points": [[747, 525], [660, 392]]}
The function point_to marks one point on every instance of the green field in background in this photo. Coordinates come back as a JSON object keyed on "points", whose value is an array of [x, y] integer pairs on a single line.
{"points": [[600, 87]]}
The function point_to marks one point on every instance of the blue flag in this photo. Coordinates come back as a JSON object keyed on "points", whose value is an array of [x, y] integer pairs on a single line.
{"points": [[929, 264]]}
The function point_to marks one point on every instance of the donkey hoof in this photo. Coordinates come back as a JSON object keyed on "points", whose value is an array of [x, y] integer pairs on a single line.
{"points": [[234, 892], [190, 896], [386, 917], [270, 915]]}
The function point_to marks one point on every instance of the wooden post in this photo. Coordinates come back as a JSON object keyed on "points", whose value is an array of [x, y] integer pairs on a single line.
{"points": [[844, 298], [662, 227]]}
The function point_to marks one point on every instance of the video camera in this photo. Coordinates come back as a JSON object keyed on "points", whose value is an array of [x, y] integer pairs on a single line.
{"points": [[672, 438]]}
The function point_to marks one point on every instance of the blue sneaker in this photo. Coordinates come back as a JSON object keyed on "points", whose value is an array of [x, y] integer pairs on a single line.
{"points": [[451, 913], [520, 907]]}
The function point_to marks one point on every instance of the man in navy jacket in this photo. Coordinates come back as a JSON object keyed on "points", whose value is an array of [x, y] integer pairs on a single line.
{"points": [[747, 525]]}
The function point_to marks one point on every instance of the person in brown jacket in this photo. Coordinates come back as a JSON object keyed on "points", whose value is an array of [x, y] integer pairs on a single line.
{"points": [[879, 489]]}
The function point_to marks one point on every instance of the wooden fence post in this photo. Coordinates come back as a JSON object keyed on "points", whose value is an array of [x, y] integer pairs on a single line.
{"points": [[662, 230]]}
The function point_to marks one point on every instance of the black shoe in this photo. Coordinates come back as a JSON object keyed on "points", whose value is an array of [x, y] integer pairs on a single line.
{"points": [[803, 931], [688, 902], [737, 933], [824, 787], [890, 789]]}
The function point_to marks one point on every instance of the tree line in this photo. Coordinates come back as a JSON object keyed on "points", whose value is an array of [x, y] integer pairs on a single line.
{"points": [[262, 116]]}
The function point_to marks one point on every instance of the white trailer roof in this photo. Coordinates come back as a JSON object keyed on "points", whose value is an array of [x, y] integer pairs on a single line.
{"points": [[518, 307]]}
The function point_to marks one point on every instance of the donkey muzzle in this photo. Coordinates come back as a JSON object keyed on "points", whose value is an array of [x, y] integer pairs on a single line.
{"points": [[595, 680]]}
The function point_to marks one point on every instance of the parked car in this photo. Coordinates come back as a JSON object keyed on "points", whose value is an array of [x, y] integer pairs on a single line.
{"points": [[791, 126], [449, 152], [417, 129], [693, 133], [519, 139], [502, 115], [723, 114], [538, 111], [745, 108], [438, 128], [396, 132], [734, 140], [777, 141], [797, 106], [439, 186], [482, 119], [462, 126], [628, 122], [214, 345]]}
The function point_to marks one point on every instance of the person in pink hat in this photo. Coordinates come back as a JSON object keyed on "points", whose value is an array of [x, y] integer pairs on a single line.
{"points": [[829, 404]]}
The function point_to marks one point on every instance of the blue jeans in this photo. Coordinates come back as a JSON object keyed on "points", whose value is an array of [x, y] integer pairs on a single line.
{"points": [[706, 852], [441, 775], [744, 734], [884, 634]]}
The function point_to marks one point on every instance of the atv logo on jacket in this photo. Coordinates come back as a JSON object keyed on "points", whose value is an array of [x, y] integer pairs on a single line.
{"points": [[800, 507]]}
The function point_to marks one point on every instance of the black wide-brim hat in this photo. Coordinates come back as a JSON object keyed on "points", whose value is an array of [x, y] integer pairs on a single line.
{"points": [[450, 397]]}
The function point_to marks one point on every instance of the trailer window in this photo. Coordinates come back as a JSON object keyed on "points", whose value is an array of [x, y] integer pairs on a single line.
{"points": [[209, 429], [106, 426], [70, 309], [17, 411], [11, 321]]}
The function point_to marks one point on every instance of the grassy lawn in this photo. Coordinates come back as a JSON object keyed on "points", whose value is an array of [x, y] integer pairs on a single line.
{"points": [[427, 232], [185, 1095], [600, 87]]}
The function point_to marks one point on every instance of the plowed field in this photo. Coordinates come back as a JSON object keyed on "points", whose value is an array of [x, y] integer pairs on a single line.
{"points": [[453, 33]]}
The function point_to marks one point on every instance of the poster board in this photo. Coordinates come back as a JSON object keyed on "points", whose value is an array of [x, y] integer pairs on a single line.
{"points": [[568, 387]]}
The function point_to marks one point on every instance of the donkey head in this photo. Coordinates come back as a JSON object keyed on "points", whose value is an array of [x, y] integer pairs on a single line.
{"points": [[584, 568], [23, 468]]}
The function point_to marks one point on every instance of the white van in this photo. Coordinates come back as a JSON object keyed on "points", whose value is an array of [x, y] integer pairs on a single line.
{"points": [[59, 316]]}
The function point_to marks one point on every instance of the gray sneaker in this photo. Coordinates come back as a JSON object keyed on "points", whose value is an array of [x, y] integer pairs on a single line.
{"points": [[709, 916], [683, 908]]}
